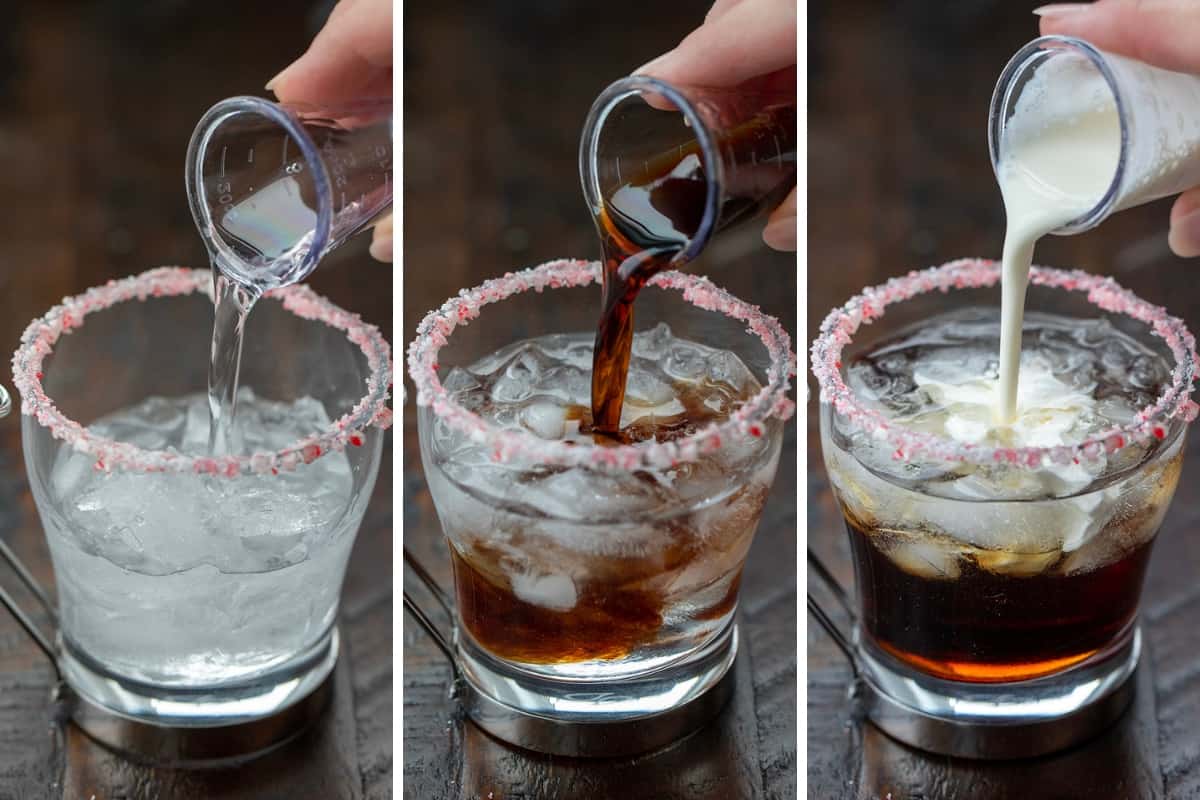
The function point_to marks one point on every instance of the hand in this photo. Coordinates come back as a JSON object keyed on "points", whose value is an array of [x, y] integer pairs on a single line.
{"points": [[739, 40], [1164, 33], [349, 59]]}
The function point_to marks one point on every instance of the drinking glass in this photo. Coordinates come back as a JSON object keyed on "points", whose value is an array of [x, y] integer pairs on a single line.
{"points": [[973, 635], [192, 592], [589, 613]]}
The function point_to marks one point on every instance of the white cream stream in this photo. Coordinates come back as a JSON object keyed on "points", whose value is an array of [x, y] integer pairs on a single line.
{"points": [[1057, 159]]}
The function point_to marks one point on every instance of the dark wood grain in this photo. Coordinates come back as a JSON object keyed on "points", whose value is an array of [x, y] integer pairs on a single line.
{"points": [[97, 102], [495, 96], [899, 178]]}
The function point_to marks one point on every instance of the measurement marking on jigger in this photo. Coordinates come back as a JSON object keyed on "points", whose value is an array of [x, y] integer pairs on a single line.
{"points": [[250, 156], [223, 149]]}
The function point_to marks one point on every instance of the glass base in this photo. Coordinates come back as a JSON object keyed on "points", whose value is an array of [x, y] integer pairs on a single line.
{"points": [[102, 701], [598, 718], [1020, 719]]}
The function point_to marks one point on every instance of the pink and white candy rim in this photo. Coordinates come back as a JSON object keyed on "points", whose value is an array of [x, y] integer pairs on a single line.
{"points": [[39, 339], [1152, 422], [437, 326]]}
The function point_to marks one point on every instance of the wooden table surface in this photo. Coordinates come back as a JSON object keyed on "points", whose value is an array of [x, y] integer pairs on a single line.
{"points": [[899, 178], [97, 102], [495, 97]]}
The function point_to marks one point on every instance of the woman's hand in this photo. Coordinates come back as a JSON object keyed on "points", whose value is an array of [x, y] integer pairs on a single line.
{"points": [[1164, 33]]}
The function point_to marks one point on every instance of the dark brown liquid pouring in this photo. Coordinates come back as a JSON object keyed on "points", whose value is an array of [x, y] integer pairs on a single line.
{"points": [[646, 224]]}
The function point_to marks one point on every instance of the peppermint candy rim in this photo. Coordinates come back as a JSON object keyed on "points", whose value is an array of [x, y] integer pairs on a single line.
{"points": [[1151, 423], [435, 330], [39, 338]]}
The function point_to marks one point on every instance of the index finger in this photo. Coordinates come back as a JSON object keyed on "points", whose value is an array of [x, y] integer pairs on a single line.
{"points": [[350, 58], [747, 40], [1165, 33]]}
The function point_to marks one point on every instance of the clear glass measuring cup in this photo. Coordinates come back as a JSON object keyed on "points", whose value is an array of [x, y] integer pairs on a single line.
{"points": [[273, 187], [1158, 112]]}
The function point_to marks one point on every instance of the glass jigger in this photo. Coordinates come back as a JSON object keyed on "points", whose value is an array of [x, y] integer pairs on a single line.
{"points": [[198, 596], [273, 187], [659, 161], [592, 617], [1061, 78], [1000, 622]]}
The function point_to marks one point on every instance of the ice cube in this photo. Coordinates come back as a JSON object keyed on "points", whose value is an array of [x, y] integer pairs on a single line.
{"points": [[579, 354], [510, 389], [646, 389], [194, 438], [551, 591], [71, 470], [163, 523], [459, 380], [653, 344], [686, 363], [725, 367], [547, 420], [569, 383], [1016, 564], [925, 558]]}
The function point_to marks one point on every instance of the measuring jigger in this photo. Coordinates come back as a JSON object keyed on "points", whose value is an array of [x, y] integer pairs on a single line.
{"points": [[273, 187]]}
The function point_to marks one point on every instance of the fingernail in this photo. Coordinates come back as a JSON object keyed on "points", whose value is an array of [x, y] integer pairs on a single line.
{"points": [[270, 87], [1184, 237], [1054, 9], [381, 249], [780, 234], [650, 66]]}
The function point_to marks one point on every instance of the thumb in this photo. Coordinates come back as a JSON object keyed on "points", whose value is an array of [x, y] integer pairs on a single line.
{"points": [[1184, 238], [780, 232], [381, 239]]}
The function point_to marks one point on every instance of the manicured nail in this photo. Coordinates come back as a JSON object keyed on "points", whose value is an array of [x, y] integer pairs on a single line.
{"points": [[1054, 9], [271, 83], [1184, 237], [649, 66], [780, 234]]}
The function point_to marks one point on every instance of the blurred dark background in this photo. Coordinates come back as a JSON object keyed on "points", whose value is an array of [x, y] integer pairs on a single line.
{"points": [[899, 178], [495, 95], [98, 99]]}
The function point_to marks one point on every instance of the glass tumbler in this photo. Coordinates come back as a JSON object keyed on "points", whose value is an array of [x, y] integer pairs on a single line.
{"points": [[582, 599], [194, 591], [1000, 625]]}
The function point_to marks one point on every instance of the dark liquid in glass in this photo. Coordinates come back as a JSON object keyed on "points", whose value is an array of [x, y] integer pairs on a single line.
{"points": [[985, 626]]}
